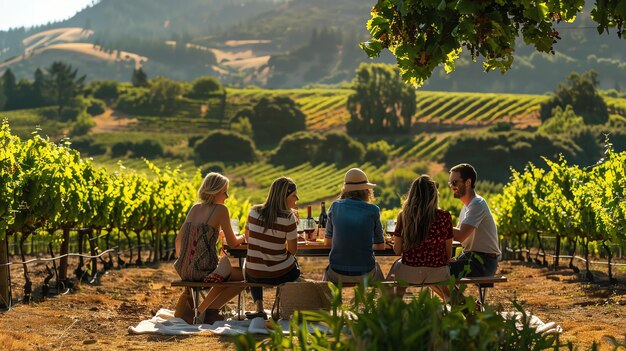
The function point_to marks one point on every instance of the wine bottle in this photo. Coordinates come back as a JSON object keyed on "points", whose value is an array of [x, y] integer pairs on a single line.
{"points": [[321, 222], [309, 227], [323, 216]]}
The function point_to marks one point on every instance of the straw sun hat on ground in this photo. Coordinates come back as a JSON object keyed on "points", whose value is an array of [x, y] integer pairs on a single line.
{"points": [[356, 179]]}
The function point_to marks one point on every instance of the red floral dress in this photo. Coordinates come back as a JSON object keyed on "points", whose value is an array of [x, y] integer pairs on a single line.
{"points": [[431, 252]]}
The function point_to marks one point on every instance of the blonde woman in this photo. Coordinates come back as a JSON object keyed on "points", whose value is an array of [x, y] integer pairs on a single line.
{"points": [[272, 241], [423, 237], [354, 231], [197, 251]]}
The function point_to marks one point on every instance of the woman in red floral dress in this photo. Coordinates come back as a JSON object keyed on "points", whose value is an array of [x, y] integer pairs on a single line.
{"points": [[424, 238]]}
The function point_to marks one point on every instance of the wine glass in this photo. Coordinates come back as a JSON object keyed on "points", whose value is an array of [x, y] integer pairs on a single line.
{"points": [[391, 226], [300, 229], [308, 225], [234, 223]]}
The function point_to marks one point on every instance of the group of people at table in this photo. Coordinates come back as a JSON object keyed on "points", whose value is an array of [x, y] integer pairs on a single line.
{"points": [[423, 237]]}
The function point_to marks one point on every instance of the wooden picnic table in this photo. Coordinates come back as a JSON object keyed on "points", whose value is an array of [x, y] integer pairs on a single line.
{"points": [[313, 249]]}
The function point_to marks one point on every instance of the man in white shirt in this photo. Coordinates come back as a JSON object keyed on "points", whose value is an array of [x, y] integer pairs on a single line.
{"points": [[476, 230]]}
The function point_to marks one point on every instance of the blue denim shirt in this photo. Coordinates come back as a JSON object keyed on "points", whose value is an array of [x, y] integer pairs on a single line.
{"points": [[354, 226]]}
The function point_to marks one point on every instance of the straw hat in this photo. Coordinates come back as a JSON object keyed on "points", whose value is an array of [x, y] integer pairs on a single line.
{"points": [[356, 179]]}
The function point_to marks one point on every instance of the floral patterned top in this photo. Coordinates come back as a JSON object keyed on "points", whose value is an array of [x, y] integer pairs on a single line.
{"points": [[431, 252]]}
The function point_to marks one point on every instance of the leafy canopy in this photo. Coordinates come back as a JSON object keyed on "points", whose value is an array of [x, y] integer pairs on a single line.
{"points": [[425, 34], [381, 101]]}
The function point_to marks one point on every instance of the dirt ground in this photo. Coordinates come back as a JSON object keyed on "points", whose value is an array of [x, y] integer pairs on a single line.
{"points": [[97, 317]]}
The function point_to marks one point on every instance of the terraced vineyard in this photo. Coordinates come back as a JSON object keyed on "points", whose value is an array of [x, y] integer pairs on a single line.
{"points": [[423, 146], [315, 182], [252, 180], [476, 108], [325, 109]]}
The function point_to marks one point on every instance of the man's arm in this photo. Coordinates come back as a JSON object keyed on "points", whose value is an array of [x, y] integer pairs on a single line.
{"points": [[460, 234]]}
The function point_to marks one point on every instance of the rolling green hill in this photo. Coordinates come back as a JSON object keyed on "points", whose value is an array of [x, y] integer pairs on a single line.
{"points": [[288, 44]]}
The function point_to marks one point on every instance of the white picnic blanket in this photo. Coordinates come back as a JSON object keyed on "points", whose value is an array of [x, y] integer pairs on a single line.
{"points": [[542, 328], [165, 323]]}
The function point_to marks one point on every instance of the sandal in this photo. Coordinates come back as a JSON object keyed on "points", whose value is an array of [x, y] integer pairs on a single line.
{"points": [[213, 278], [252, 315]]}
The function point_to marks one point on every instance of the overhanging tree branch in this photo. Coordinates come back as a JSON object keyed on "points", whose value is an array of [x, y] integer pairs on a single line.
{"points": [[425, 34]]}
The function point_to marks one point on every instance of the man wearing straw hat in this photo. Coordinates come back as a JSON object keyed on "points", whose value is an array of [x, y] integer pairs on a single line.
{"points": [[354, 231]]}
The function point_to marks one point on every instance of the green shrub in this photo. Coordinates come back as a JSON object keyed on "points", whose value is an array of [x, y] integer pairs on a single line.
{"points": [[121, 149], [147, 148], [96, 107], [339, 148], [274, 118], [105, 89], [377, 153], [212, 167], [296, 148], [493, 154], [70, 113], [501, 127], [84, 123], [225, 146], [205, 87], [333, 147], [580, 91], [135, 101], [86, 145], [562, 121], [192, 140]]}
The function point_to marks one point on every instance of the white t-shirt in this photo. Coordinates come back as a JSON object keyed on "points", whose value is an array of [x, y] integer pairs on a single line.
{"points": [[485, 237]]}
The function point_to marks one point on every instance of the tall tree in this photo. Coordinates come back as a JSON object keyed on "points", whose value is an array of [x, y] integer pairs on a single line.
{"points": [[580, 92], [423, 35], [9, 86], [275, 117], [163, 94], [39, 86], [63, 84], [3, 98], [381, 101], [139, 78]]}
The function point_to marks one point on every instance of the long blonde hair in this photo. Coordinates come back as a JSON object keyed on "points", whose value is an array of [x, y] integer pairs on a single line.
{"points": [[419, 211], [276, 202], [212, 184]]}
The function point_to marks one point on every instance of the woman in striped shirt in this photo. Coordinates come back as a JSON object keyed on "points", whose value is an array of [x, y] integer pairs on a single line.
{"points": [[272, 241]]}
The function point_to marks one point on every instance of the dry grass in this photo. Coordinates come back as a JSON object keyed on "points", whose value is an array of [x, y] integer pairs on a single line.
{"points": [[97, 317], [54, 36], [111, 121], [251, 63], [233, 43]]}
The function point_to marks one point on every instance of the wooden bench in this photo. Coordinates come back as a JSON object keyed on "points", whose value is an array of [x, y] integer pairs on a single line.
{"points": [[483, 283], [196, 287]]}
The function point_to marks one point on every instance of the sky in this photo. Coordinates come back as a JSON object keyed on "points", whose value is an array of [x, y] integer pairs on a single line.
{"points": [[28, 13]]}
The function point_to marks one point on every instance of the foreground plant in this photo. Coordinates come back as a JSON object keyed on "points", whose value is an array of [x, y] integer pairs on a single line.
{"points": [[377, 321]]}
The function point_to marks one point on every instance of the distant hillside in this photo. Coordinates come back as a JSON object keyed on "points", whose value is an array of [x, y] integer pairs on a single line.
{"points": [[166, 19], [276, 44]]}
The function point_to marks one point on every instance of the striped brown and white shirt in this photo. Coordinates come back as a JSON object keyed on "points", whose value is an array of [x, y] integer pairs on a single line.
{"points": [[267, 254]]}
